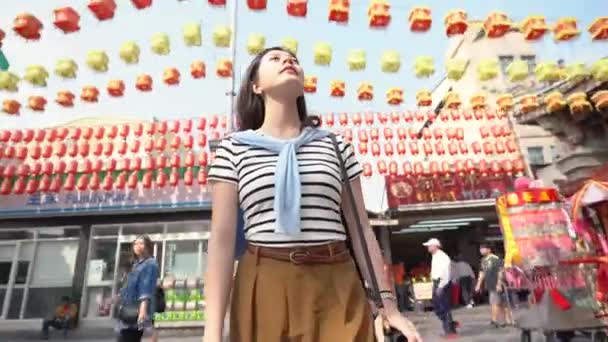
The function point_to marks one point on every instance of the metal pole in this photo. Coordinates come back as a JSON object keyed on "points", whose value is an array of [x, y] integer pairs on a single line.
{"points": [[232, 92]]}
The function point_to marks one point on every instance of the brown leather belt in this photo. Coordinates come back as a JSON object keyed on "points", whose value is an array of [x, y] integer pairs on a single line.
{"points": [[331, 253]]}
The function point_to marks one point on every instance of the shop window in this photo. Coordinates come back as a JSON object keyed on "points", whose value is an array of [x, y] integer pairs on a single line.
{"points": [[536, 155], [188, 227], [102, 263], [54, 264], [56, 233], [504, 63], [182, 259], [14, 306], [42, 301], [143, 229], [105, 230], [531, 60]]}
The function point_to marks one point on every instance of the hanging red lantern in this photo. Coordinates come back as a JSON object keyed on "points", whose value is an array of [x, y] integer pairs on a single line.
{"points": [[36, 168], [507, 167], [59, 166], [257, 5], [408, 116], [51, 135], [464, 149], [161, 127], [146, 180], [467, 115], [174, 177], [23, 170], [469, 166], [149, 162], [518, 165], [11, 107], [217, 2], [407, 168], [388, 149], [420, 19], [171, 76], [511, 146], [19, 186], [375, 149], [189, 159], [484, 131], [203, 158], [34, 152], [401, 133], [446, 169], [367, 170], [108, 182], [338, 10], [414, 149], [176, 141], [378, 13], [297, 8], [67, 19], [418, 169], [224, 69], [161, 144], [388, 133], [10, 171], [55, 185], [188, 177], [426, 133], [347, 133], [357, 119], [94, 182], [401, 148], [393, 168], [499, 147], [439, 148], [27, 26], [497, 25], [124, 164], [102, 9], [132, 180], [174, 126], [395, 117], [143, 82], [381, 164], [343, 119], [202, 177], [488, 148], [141, 4], [534, 27], [202, 140], [73, 150], [374, 134], [329, 119], [45, 183], [459, 167], [65, 98], [83, 182], [161, 179], [5, 135], [161, 162], [363, 148], [175, 160], [198, 69], [427, 148], [97, 148], [62, 133], [89, 94], [2, 36], [456, 22], [495, 167], [70, 182], [434, 168], [21, 152], [17, 136], [116, 88], [47, 168], [36, 103], [476, 146]]}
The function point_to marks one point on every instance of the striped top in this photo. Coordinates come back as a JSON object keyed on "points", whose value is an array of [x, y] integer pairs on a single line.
{"points": [[252, 169]]}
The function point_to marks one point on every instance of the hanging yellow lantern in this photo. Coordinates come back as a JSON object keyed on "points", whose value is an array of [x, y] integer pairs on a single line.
{"points": [[424, 66], [423, 98], [599, 70], [565, 29], [452, 100], [66, 68], [528, 103], [9, 81], [337, 88], [478, 101], [505, 102], [291, 45], [534, 27], [554, 102], [579, 106], [487, 69], [222, 36], [600, 99], [420, 19], [36, 75], [394, 96], [391, 61], [322, 53], [379, 13], [548, 72], [356, 59], [98, 60], [517, 71], [192, 34], [497, 24], [455, 68], [129, 52], [599, 28], [456, 22], [310, 84], [255, 43], [365, 92], [577, 72], [160, 44]]}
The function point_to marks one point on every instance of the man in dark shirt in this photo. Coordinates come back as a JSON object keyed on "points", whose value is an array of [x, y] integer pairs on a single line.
{"points": [[491, 266]]}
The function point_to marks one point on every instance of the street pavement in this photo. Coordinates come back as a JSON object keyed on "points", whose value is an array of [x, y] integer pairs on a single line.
{"points": [[474, 328]]}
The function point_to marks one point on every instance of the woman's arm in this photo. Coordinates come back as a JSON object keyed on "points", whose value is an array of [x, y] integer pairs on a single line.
{"points": [[370, 238], [218, 284]]}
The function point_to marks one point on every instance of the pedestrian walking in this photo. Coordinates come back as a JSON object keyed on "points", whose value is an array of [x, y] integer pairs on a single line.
{"points": [[296, 279], [465, 278], [138, 294], [440, 274], [491, 266]]}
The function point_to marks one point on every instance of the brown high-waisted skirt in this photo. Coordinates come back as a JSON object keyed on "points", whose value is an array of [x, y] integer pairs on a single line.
{"points": [[278, 301]]}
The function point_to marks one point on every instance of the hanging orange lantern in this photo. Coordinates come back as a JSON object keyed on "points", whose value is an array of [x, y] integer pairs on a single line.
{"points": [[67, 19], [89, 94], [224, 68], [338, 10], [452, 100], [198, 69], [141, 4], [297, 8], [497, 25], [394, 96], [365, 92], [378, 13], [456, 22], [310, 84], [534, 27], [505, 102], [65, 98], [116, 88], [420, 19], [565, 29], [555, 102], [171, 76], [143, 82], [579, 105], [598, 29], [11, 107], [36, 103], [103, 9], [423, 98], [600, 99], [528, 103], [257, 5], [478, 101], [27, 26], [337, 88]]}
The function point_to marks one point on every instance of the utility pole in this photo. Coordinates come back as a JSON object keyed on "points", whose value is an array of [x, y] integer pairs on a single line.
{"points": [[232, 91]]}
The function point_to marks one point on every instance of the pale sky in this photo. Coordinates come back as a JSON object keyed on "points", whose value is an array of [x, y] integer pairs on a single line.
{"points": [[199, 97]]}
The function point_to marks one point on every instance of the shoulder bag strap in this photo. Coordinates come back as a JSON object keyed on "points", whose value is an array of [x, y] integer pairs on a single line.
{"points": [[374, 289]]}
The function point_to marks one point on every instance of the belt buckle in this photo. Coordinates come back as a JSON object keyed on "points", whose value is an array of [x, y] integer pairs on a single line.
{"points": [[296, 257]]}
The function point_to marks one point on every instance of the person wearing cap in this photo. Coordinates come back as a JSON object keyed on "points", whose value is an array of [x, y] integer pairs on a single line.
{"points": [[440, 274]]}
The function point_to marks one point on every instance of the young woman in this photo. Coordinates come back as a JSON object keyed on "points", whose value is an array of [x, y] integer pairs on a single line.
{"points": [[296, 281], [139, 290]]}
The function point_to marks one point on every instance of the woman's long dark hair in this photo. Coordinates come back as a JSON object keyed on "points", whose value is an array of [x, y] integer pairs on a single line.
{"points": [[148, 246], [250, 106]]}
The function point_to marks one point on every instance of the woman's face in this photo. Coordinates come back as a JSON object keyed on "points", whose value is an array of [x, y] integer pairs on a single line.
{"points": [[280, 73], [139, 247]]}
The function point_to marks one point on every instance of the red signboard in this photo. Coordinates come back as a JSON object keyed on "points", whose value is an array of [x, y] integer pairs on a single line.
{"points": [[404, 190]]}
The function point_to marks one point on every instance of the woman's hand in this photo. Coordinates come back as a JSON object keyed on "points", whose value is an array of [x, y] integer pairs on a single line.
{"points": [[142, 316], [397, 321]]}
